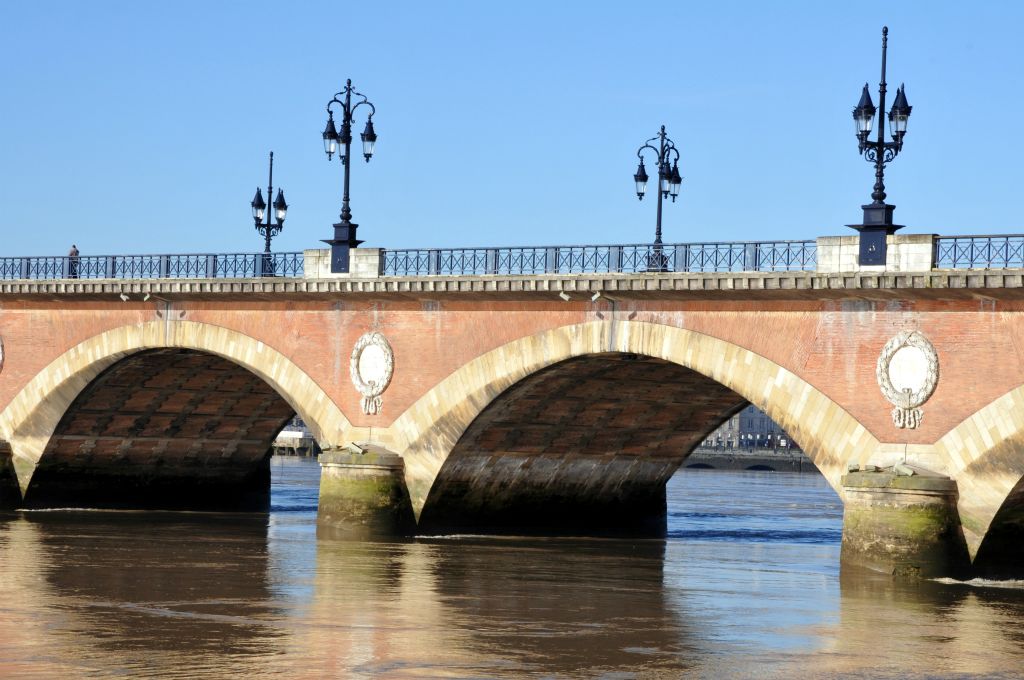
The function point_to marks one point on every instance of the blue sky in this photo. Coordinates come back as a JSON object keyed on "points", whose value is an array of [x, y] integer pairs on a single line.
{"points": [[137, 127]]}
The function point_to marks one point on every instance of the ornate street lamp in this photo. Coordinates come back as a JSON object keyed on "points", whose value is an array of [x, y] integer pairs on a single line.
{"points": [[878, 214], [264, 227], [340, 143], [669, 182]]}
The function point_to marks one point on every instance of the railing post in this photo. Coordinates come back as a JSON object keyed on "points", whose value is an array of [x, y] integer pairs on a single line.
{"points": [[26, 268], [211, 266], [750, 257], [110, 268], [434, 262], [491, 261], [550, 260], [165, 266]]}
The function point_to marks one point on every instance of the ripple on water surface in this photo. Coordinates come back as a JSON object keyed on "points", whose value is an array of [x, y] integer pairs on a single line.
{"points": [[746, 584]]}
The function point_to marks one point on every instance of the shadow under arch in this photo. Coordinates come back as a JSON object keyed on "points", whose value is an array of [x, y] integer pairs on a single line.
{"points": [[1000, 554], [430, 429], [985, 455], [30, 420], [585, 445]]}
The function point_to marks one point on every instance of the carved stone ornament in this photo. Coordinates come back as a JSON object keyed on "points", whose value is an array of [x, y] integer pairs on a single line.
{"points": [[907, 372], [372, 366]]}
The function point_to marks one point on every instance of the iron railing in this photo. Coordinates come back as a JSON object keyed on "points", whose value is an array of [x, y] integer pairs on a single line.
{"points": [[950, 252], [979, 252], [676, 257], [196, 266]]}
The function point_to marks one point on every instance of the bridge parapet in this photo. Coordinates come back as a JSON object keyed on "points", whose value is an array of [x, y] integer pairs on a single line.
{"points": [[364, 263], [646, 258], [904, 253], [827, 255]]}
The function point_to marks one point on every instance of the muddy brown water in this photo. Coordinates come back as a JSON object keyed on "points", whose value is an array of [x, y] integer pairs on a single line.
{"points": [[747, 584]]}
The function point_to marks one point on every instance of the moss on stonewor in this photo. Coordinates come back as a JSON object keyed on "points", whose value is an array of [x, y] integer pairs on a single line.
{"points": [[361, 502], [916, 540]]}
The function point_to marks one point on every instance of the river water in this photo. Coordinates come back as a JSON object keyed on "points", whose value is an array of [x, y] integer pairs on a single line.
{"points": [[746, 585]]}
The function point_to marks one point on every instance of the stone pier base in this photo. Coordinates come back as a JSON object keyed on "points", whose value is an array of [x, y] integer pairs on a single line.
{"points": [[363, 494], [906, 526]]}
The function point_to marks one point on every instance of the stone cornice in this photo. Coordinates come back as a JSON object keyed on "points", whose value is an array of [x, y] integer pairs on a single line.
{"points": [[936, 284]]}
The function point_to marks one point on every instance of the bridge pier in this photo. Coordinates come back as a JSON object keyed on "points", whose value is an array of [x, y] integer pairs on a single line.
{"points": [[363, 494], [906, 526]]}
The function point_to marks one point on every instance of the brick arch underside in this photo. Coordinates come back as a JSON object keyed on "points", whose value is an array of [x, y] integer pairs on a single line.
{"points": [[587, 444], [165, 428]]}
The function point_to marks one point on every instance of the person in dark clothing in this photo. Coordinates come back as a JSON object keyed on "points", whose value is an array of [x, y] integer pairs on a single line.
{"points": [[73, 262]]}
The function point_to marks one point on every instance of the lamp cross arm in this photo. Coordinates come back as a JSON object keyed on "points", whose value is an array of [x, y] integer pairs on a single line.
{"points": [[892, 144], [366, 102], [888, 151], [640, 151], [344, 110]]}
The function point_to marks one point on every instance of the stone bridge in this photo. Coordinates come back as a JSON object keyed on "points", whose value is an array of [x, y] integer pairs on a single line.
{"points": [[559, 402]]}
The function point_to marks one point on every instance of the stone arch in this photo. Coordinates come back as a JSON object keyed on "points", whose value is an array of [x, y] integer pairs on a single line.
{"points": [[583, 445], [985, 455], [30, 419], [427, 432]]}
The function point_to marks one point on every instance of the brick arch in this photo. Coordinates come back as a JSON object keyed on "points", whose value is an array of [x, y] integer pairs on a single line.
{"points": [[429, 430], [596, 436], [985, 455], [31, 418]]}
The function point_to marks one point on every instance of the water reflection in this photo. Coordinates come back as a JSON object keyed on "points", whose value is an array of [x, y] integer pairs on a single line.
{"points": [[747, 584], [139, 590], [565, 606], [929, 628]]}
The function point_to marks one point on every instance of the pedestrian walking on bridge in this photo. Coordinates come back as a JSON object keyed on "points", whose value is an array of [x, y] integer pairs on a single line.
{"points": [[73, 262]]}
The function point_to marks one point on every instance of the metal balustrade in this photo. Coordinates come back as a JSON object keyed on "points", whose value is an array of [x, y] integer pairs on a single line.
{"points": [[677, 257], [950, 252], [194, 266], [979, 252]]}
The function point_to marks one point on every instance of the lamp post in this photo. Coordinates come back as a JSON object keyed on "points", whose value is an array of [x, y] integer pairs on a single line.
{"points": [[669, 182], [340, 143], [877, 223], [265, 228]]}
